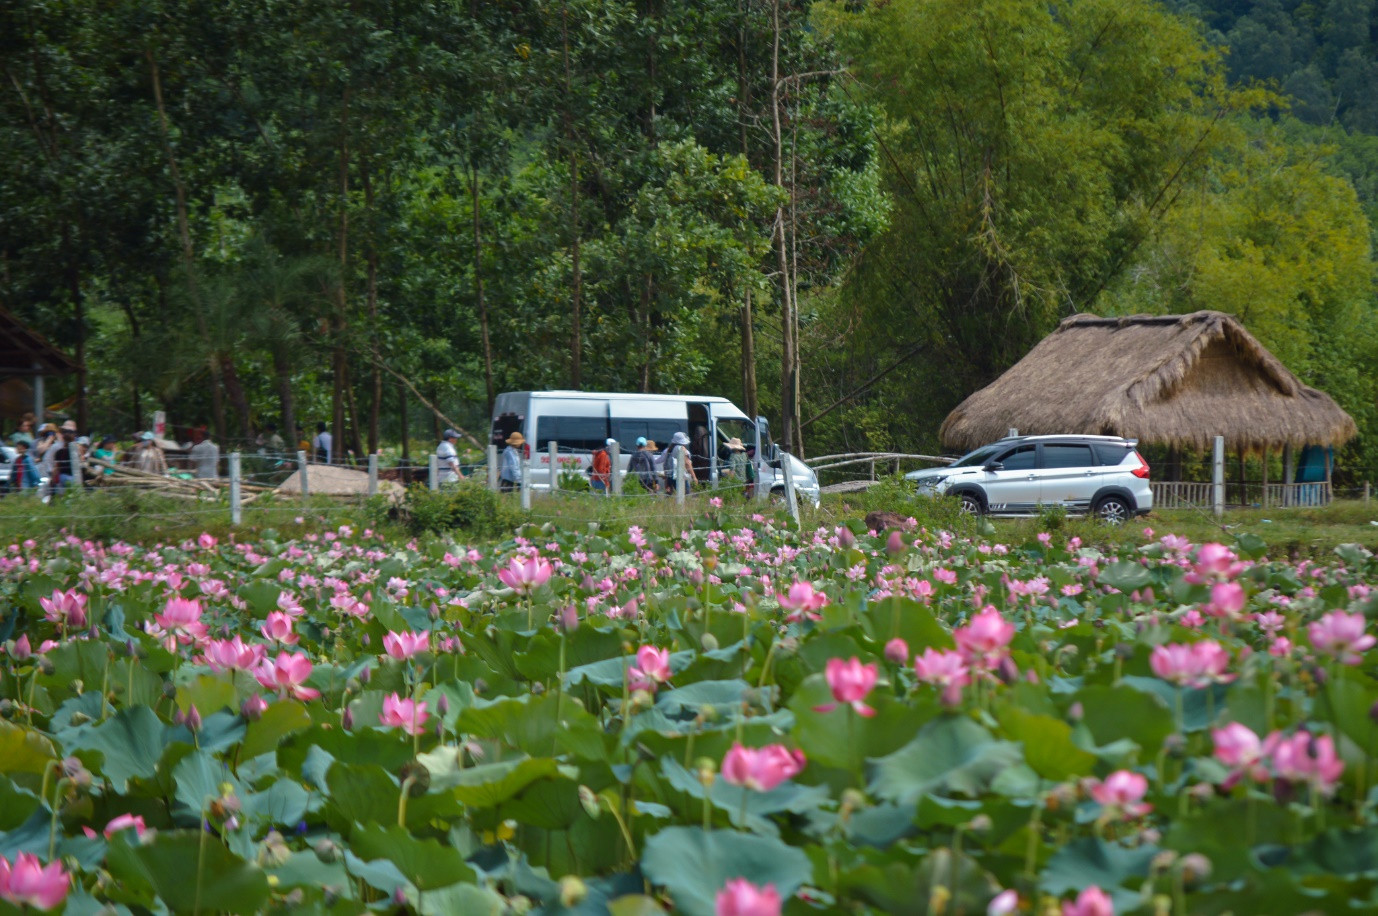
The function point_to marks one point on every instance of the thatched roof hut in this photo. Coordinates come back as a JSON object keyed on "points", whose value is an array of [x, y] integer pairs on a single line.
{"points": [[1176, 380]]}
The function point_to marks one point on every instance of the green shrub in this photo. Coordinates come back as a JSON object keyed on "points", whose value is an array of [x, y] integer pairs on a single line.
{"points": [[1052, 518], [463, 506]]}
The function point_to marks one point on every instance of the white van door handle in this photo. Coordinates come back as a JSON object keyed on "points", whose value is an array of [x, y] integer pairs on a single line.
{"points": [[1032, 477]]}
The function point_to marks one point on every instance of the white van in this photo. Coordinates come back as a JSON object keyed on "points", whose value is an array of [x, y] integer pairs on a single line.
{"points": [[580, 422]]}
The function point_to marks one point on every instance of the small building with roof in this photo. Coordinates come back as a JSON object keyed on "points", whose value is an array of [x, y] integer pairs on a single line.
{"points": [[27, 360], [1176, 381]]}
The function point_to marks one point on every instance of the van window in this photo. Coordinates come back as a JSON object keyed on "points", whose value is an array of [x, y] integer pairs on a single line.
{"points": [[1067, 455], [1022, 458], [626, 430], [572, 433], [1110, 455]]}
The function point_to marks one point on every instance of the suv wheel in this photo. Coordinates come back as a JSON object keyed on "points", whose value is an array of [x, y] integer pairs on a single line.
{"points": [[1113, 510], [969, 504]]}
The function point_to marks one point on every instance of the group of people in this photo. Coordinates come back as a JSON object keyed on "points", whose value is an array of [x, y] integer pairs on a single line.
{"points": [[654, 469]]}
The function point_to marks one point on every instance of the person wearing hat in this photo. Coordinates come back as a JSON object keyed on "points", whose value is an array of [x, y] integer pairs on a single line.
{"points": [[600, 471], [677, 463], [510, 471], [738, 465], [105, 451], [448, 458], [641, 466], [147, 456]]}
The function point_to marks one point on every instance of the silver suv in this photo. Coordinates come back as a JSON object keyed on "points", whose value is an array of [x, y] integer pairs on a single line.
{"points": [[1090, 475]]}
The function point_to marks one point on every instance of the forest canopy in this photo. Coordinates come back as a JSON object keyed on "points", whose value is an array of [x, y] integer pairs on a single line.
{"points": [[846, 216]]}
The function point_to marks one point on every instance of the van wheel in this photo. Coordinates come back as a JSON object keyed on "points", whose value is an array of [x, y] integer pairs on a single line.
{"points": [[1113, 510], [970, 504]]}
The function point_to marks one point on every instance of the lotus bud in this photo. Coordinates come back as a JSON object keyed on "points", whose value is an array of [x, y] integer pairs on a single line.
{"points": [[1163, 861], [709, 642], [587, 584], [80, 718], [894, 544], [365, 640], [19, 649], [897, 651], [1195, 867], [399, 897], [1076, 712], [326, 851], [419, 775], [442, 705], [853, 799], [696, 577], [225, 631], [537, 688], [179, 718], [130, 649], [572, 891], [252, 709], [480, 686], [592, 804], [434, 612], [347, 719], [46, 666], [642, 699], [846, 538], [980, 823], [169, 690], [365, 675], [707, 769], [6, 708], [1008, 671], [1373, 712]]}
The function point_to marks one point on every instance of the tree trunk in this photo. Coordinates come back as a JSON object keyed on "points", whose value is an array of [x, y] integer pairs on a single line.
{"points": [[797, 370], [749, 397], [788, 386], [237, 399], [376, 377], [188, 255], [406, 425], [355, 445], [282, 369], [339, 365], [79, 318], [478, 290], [576, 280]]}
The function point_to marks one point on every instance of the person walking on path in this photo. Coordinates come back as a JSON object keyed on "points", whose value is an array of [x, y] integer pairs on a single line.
{"points": [[642, 465], [448, 458], [323, 445], [600, 473], [678, 463], [510, 476], [738, 465]]}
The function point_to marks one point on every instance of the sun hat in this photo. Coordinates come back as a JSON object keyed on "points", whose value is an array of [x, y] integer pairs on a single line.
{"points": [[70, 426], [651, 444], [640, 441], [735, 444], [611, 442], [147, 437], [516, 439], [679, 438], [450, 434], [83, 440]]}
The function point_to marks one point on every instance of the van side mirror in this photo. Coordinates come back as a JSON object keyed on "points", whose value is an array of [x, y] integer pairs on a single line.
{"points": [[992, 466]]}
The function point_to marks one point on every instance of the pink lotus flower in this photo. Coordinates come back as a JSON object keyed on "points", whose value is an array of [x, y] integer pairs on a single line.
{"points": [[1216, 561], [278, 628], [286, 674], [761, 769], [651, 669], [232, 654], [1341, 636], [126, 822], [404, 645], [1237, 747], [524, 576], [945, 669], [983, 640], [1191, 665], [1003, 904], [850, 682], [897, 651], [1227, 600], [802, 601], [408, 715], [67, 609], [1091, 902], [29, 883], [739, 897], [181, 618], [1123, 791], [1306, 758]]}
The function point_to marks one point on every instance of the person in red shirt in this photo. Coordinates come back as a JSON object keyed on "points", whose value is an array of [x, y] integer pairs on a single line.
{"points": [[600, 475]]}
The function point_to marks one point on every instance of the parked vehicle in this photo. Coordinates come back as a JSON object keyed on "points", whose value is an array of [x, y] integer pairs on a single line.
{"points": [[582, 421], [1098, 475]]}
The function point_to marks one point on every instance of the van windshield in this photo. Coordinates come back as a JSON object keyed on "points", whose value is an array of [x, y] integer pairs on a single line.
{"points": [[980, 456], [735, 428]]}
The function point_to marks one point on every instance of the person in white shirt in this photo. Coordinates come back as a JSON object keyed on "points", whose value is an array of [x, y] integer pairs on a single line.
{"points": [[323, 446], [205, 455], [448, 458]]}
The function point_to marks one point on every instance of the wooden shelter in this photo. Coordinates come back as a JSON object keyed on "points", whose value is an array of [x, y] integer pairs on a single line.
{"points": [[1172, 380], [26, 359]]}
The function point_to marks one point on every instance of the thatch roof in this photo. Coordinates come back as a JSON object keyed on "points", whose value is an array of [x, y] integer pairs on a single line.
{"points": [[1176, 380]]}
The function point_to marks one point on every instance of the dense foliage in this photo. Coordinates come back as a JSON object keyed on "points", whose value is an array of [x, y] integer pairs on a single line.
{"points": [[897, 722]]}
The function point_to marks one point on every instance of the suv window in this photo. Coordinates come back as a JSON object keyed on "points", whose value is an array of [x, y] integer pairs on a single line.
{"points": [[581, 433], [1067, 456], [1111, 454], [1023, 458]]}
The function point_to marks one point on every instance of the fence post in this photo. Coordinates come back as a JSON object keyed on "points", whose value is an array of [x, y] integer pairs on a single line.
{"points": [[525, 464], [236, 510], [433, 472], [615, 457], [1218, 477], [373, 474], [553, 450], [791, 498], [74, 453], [1366, 492], [677, 456], [492, 467], [301, 469]]}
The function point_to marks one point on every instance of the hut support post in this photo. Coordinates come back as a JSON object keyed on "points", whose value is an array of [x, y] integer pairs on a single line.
{"points": [[1265, 476], [1218, 477], [1329, 468], [1289, 472], [37, 403]]}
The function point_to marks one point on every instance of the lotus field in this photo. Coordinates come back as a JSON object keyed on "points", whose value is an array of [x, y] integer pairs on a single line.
{"points": [[738, 719]]}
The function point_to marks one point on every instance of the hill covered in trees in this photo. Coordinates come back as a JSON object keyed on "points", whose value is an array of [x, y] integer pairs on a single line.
{"points": [[845, 215]]}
